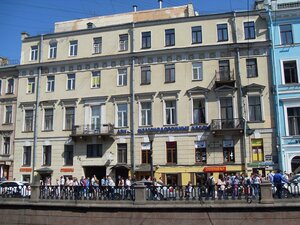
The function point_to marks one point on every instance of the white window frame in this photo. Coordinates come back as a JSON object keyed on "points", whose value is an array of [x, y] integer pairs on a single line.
{"points": [[174, 120], [198, 66], [24, 118], [44, 119], [34, 50], [261, 106], [11, 115], [234, 104], [64, 118], [292, 103], [73, 49], [99, 106], [148, 123], [123, 44], [122, 77], [97, 45], [50, 86], [123, 115], [282, 69], [9, 146], [52, 50], [72, 82], [31, 90], [95, 75]]}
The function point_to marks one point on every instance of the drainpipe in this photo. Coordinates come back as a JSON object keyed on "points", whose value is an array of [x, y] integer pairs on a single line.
{"points": [[36, 110], [240, 95]]}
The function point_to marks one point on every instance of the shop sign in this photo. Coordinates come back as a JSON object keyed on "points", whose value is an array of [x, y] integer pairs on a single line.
{"points": [[292, 142], [268, 158], [211, 169], [26, 170], [174, 129], [67, 170]]}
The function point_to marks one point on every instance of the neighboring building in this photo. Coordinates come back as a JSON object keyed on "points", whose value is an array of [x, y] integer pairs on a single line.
{"points": [[284, 25], [105, 83], [8, 103]]}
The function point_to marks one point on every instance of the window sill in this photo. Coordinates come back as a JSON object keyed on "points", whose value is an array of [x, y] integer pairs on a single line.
{"points": [[45, 165], [29, 93], [196, 80], [95, 87], [200, 163], [145, 83], [70, 89], [169, 82], [229, 163], [171, 164], [146, 48], [259, 121], [67, 129], [169, 46], [170, 125], [30, 131], [125, 50], [252, 76], [222, 40], [47, 130], [5, 155], [9, 93], [96, 53], [7, 124], [49, 91], [195, 43]]}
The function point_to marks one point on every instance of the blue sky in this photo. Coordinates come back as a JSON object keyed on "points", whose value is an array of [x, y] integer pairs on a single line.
{"points": [[38, 16]]}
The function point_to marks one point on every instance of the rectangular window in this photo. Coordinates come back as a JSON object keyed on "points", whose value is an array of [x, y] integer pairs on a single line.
{"points": [[224, 70], [290, 72], [146, 39], [286, 34], [197, 71], [52, 50], [146, 157], [30, 85], [226, 109], [145, 75], [123, 42], [249, 29], [228, 151], [6, 145], [68, 155], [251, 68], [94, 150], [8, 114], [34, 53], [196, 35], [96, 79], [28, 126], [222, 32], [200, 151], [294, 120], [50, 83], [169, 73], [122, 115], [122, 77], [171, 152], [71, 82], [10, 86], [27, 156], [47, 155], [170, 37], [146, 115], [255, 113], [199, 111], [122, 153], [170, 111], [73, 48], [48, 119], [257, 150], [97, 45], [95, 117], [70, 118], [0, 87]]}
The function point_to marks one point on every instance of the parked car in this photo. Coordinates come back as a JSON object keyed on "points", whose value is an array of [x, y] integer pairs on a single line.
{"points": [[15, 189]]}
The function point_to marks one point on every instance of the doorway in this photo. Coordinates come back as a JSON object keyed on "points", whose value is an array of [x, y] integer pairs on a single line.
{"points": [[99, 171]]}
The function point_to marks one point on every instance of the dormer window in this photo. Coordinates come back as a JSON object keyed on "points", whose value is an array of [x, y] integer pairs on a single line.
{"points": [[90, 25]]}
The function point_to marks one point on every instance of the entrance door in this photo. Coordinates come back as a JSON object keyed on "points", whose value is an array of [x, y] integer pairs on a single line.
{"points": [[121, 172], [99, 171]]}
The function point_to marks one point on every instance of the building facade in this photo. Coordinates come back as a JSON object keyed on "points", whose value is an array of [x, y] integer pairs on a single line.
{"points": [[162, 91]]}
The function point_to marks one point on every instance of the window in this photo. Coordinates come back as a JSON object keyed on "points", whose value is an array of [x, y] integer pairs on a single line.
{"points": [[255, 113], [71, 82], [170, 37], [69, 118], [200, 152], [0, 87], [34, 53], [122, 77], [251, 68], [68, 155], [94, 150], [199, 111], [6, 145], [122, 115], [27, 156], [286, 34], [145, 75], [96, 79], [226, 109], [95, 117], [197, 71], [171, 152], [228, 151], [47, 155], [97, 45], [294, 120], [249, 29], [50, 83], [146, 39], [28, 126], [122, 153], [290, 72], [48, 120], [224, 70], [10, 86], [30, 85], [222, 32], [73, 48], [52, 50], [169, 73], [146, 117], [146, 153], [196, 35], [8, 114], [257, 150], [123, 42], [170, 110]]}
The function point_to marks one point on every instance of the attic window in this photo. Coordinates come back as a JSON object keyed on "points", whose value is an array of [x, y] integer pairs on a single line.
{"points": [[90, 25]]}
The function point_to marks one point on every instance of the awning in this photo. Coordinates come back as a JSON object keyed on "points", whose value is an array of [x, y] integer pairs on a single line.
{"points": [[119, 166], [143, 168], [44, 170]]}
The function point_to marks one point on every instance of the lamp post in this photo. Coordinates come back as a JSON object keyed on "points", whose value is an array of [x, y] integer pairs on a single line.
{"points": [[151, 138]]}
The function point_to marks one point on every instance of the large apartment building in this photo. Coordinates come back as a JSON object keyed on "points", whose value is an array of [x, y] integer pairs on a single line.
{"points": [[105, 95]]}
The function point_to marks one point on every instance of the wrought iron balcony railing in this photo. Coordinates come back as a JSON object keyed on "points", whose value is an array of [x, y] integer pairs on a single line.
{"points": [[221, 124], [101, 129], [224, 75]]}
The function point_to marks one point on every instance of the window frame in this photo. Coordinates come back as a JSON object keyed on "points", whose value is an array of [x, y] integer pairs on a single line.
{"points": [[170, 73], [196, 34], [146, 40], [26, 160], [48, 120], [200, 150], [34, 51], [95, 79], [171, 111], [122, 77], [95, 151], [71, 81], [251, 67], [123, 42], [145, 113], [73, 48], [66, 127], [145, 75], [123, 117], [30, 85], [249, 30], [122, 153], [171, 151], [222, 32], [97, 45], [6, 145], [10, 87], [169, 37], [286, 40], [50, 84], [31, 124], [198, 66], [47, 155], [257, 118], [53, 50], [193, 110], [68, 161], [8, 119], [296, 69], [288, 131]]}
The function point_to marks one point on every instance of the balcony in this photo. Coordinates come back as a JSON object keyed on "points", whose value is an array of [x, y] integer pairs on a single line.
{"points": [[227, 126], [224, 77], [102, 130]]}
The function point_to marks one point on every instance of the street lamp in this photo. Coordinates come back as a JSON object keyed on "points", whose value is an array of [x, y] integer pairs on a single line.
{"points": [[151, 138]]}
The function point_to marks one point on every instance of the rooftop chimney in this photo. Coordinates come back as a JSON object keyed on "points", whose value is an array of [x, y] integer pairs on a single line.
{"points": [[160, 3], [134, 8], [24, 35]]}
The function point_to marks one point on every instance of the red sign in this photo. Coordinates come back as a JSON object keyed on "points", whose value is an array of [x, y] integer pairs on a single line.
{"points": [[214, 169], [27, 170], [67, 170]]}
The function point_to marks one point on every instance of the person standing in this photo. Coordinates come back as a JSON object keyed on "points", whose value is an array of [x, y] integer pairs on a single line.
{"points": [[278, 182], [210, 184]]}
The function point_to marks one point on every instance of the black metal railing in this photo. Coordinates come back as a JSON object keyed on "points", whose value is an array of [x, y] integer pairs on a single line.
{"points": [[224, 76], [103, 129], [220, 124], [288, 190]]}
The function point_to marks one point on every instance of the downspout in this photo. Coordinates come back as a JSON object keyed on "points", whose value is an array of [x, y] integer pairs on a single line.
{"points": [[277, 109], [240, 94], [36, 110]]}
